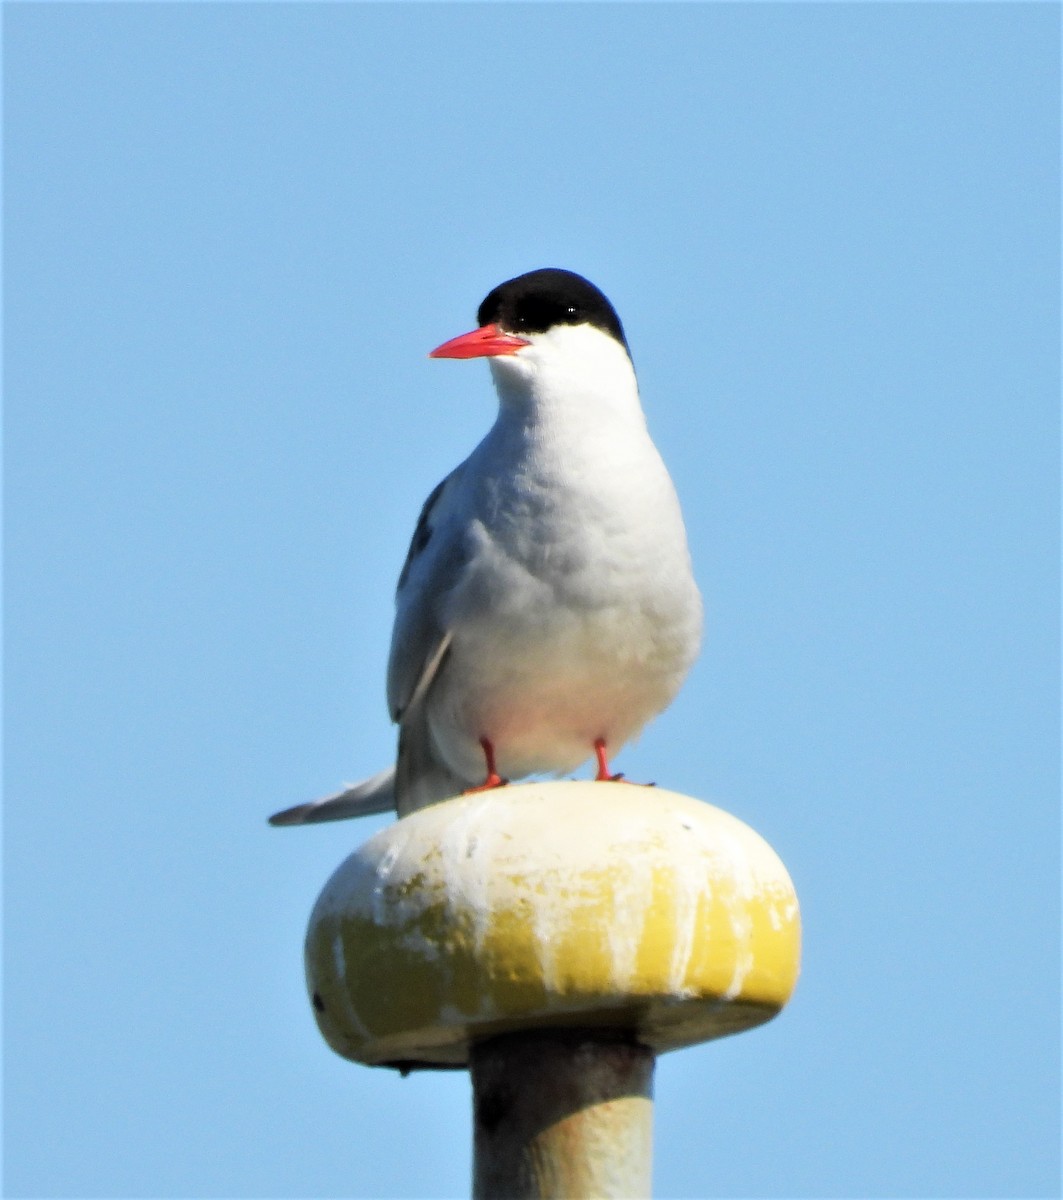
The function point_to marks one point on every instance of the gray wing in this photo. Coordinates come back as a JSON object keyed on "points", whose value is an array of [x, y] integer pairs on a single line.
{"points": [[420, 777], [419, 649], [420, 645], [433, 565]]}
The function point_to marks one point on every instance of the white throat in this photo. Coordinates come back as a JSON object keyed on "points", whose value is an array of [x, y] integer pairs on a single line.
{"points": [[569, 373]]}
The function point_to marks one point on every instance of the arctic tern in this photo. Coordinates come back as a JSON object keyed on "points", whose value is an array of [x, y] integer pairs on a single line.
{"points": [[547, 608]]}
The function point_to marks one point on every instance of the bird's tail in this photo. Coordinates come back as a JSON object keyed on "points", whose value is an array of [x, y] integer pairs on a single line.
{"points": [[420, 778], [373, 795]]}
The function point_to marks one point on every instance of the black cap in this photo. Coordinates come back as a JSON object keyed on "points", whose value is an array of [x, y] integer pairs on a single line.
{"points": [[539, 300]]}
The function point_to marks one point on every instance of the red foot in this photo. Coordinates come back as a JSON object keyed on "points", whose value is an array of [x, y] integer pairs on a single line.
{"points": [[603, 775], [493, 779]]}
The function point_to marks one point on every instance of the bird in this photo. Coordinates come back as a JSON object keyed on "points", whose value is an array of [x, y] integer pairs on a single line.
{"points": [[547, 608]]}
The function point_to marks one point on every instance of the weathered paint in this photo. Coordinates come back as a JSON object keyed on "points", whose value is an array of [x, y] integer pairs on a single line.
{"points": [[552, 905]]}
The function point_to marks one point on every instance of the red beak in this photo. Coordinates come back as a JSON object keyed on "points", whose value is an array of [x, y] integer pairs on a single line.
{"points": [[487, 342]]}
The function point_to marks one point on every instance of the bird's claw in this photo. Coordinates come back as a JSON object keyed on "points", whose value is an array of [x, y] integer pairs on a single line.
{"points": [[489, 784]]}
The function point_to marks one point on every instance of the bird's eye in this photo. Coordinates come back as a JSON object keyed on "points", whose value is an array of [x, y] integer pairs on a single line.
{"points": [[536, 314]]}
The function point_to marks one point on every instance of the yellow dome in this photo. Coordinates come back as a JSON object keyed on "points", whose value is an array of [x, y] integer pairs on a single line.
{"points": [[591, 905]]}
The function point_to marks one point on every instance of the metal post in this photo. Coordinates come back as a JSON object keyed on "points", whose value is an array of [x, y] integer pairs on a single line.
{"points": [[563, 1113]]}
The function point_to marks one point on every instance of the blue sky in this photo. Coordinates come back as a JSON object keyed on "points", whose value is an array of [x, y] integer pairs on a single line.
{"points": [[233, 232]]}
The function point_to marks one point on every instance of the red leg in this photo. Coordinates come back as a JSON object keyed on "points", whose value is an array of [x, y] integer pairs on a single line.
{"points": [[493, 779], [603, 775]]}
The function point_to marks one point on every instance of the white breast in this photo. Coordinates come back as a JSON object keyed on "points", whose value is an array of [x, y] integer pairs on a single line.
{"points": [[577, 616]]}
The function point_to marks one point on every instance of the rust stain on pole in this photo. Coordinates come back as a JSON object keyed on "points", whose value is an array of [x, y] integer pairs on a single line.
{"points": [[562, 1113]]}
